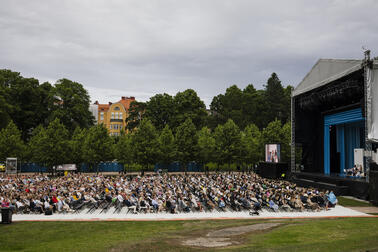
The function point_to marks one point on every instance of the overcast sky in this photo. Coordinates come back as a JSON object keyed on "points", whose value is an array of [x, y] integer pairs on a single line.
{"points": [[141, 48]]}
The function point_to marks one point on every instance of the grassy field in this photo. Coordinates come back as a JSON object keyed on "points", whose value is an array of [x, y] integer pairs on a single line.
{"points": [[344, 234], [347, 202]]}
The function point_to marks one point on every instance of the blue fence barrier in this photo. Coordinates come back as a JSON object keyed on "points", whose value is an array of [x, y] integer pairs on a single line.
{"points": [[115, 167], [175, 167]]}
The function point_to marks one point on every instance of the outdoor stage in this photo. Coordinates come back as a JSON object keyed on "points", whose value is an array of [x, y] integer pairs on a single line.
{"points": [[338, 211], [356, 187]]}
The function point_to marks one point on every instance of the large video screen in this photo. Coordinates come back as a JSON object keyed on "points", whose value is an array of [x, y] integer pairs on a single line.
{"points": [[272, 153]]}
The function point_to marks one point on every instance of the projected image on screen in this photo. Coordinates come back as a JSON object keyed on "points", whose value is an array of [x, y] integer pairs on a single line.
{"points": [[272, 153]]}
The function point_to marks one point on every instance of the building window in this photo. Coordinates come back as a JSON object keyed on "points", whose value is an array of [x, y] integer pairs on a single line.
{"points": [[120, 115], [101, 116], [116, 108], [112, 115]]}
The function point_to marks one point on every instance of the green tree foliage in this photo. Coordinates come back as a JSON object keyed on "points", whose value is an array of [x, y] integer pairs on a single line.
{"points": [[189, 106], [228, 142], [124, 150], [276, 100], [286, 142], [160, 110], [186, 141], [167, 147], [97, 145], [135, 115], [11, 144], [275, 132], [205, 146], [252, 144], [252, 106], [71, 105], [145, 142], [76, 144], [51, 146], [21, 100]]}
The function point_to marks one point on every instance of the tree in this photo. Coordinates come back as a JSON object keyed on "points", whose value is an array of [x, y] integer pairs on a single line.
{"points": [[135, 115], [250, 110], [160, 109], [51, 146], [286, 142], [145, 140], [124, 150], [189, 105], [251, 143], [34, 151], [233, 102], [205, 146], [97, 145], [21, 100], [167, 147], [275, 99], [76, 145], [276, 133], [11, 144], [186, 141], [228, 142], [71, 105], [5, 109]]}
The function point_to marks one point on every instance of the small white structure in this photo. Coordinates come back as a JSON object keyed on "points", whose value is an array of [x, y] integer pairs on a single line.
{"points": [[11, 166]]}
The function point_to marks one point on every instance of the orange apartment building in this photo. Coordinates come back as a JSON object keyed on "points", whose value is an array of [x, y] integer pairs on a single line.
{"points": [[113, 115]]}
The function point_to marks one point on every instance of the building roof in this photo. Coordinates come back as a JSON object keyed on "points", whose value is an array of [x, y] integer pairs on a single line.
{"points": [[103, 107], [125, 101], [326, 71]]}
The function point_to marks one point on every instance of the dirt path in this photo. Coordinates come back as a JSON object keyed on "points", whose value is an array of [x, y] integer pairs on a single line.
{"points": [[223, 237]]}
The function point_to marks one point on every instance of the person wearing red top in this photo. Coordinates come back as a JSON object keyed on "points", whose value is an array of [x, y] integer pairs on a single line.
{"points": [[54, 199]]}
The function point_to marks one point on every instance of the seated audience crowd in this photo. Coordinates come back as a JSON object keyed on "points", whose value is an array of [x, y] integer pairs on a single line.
{"points": [[157, 193]]}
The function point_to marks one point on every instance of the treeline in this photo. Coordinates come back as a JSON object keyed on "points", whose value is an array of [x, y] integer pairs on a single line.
{"points": [[51, 124], [244, 107], [146, 145], [30, 104]]}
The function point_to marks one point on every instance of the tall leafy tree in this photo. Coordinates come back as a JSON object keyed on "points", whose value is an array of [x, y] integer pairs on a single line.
{"points": [[135, 115], [228, 142], [160, 109], [275, 132], [76, 144], [167, 147], [51, 146], [71, 105], [189, 105], [252, 144], [145, 140], [11, 144], [233, 105], [97, 146], [186, 141], [124, 150], [205, 146], [5, 109], [275, 99], [22, 99]]}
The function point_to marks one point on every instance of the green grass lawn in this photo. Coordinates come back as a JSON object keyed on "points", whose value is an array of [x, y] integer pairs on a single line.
{"points": [[342, 234], [351, 202]]}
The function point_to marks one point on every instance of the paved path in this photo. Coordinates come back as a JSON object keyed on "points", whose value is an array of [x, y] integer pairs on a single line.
{"points": [[338, 211], [370, 209]]}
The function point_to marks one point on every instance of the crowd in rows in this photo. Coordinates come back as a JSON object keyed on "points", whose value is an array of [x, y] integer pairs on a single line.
{"points": [[158, 193]]}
